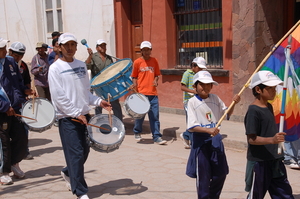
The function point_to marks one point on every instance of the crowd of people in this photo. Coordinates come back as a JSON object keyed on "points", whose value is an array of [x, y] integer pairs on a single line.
{"points": [[57, 71]]}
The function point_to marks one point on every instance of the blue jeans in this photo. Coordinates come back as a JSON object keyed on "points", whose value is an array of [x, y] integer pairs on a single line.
{"points": [[153, 115], [76, 150], [186, 134]]}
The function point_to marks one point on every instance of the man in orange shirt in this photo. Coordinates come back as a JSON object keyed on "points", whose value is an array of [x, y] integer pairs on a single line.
{"points": [[145, 80]]}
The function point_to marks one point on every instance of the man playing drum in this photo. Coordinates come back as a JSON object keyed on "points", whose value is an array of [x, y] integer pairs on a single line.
{"points": [[96, 62], [70, 93], [145, 80], [12, 132]]}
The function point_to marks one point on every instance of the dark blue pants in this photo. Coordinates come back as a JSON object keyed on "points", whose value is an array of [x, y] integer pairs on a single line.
{"points": [[76, 150], [14, 141], [212, 170], [271, 178], [116, 107]]}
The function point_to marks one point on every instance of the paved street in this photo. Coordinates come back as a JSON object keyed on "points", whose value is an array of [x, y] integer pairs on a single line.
{"points": [[136, 170]]}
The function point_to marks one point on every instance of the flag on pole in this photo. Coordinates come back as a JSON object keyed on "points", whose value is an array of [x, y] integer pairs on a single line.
{"points": [[276, 64]]}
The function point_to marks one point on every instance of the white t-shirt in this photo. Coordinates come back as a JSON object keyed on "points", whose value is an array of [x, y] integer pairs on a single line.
{"points": [[205, 112], [70, 89]]}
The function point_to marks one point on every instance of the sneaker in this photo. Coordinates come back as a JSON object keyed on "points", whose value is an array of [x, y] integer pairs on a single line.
{"points": [[83, 197], [293, 164], [28, 157], [5, 179], [137, 137], [67, 179], [55, 123], [17, 171], [186, 142], [160, 141]]}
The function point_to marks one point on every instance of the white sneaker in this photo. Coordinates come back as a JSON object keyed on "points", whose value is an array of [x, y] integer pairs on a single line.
{"points": [[186, 143], [294, 166], [17, 171], [67, 179], [5, 179], [83, 197]]}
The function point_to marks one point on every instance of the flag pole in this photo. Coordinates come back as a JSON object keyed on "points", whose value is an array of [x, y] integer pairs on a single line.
{"points": [[257, 69], [283, 100]]}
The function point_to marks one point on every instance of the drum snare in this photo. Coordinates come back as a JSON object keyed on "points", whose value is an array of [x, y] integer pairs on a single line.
{"points": [[102, 140], [136, 105], [43, 111]]}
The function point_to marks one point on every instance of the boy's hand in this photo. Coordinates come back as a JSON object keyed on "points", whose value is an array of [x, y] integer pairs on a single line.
{"points": [[236, 98], [279, 137], [213, 131]]}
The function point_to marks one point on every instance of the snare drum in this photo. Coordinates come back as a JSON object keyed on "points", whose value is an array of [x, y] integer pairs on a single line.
{"points": [[114, 79], [43, 112], [105, 142], [136, 105]]}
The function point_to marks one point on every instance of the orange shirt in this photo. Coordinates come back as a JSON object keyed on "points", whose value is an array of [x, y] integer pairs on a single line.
{"points": [[145, 71]]}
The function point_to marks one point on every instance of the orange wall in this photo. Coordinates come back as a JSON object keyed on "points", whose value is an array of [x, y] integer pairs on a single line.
{"points": [[159, 28]]}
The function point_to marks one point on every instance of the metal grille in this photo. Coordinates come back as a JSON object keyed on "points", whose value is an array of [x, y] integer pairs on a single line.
{"points": [[199, 28]]}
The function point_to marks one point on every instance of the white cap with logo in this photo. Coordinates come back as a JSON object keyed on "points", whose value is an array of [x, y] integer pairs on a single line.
{"points": [[200, 61], [266, 78], [3, 42], [146, 44], [18, 47], [65, 37], [204, 77], [100, 41]]}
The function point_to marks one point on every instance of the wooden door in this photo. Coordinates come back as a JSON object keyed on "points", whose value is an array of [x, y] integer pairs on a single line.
{"points": [[136, 27]]}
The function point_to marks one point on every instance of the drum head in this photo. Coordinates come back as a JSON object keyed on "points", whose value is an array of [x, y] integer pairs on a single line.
{"points": [[42, 111], [101, 136], [114, 69], [138, 103]]}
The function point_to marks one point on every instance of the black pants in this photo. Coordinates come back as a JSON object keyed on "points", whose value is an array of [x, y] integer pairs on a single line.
{"points": [[14, 141]]}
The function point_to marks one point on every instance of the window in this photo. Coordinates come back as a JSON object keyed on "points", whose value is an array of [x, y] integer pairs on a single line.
{"points": [[199, 28], [53, 16]]}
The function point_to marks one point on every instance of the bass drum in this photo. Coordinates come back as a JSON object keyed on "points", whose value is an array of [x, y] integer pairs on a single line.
{"points": [[102, 140]]}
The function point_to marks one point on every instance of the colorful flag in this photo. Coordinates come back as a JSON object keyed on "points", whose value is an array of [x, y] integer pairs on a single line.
{"points": [[276, 64]]}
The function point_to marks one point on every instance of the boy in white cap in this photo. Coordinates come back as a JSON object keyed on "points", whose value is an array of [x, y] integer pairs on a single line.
{"points": [[265, 170], [71, 97], [207, 161], [197, 65], [17, 51], [96, 62], [145, 74]]}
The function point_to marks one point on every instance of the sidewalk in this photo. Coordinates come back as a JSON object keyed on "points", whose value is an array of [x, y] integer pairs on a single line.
{"points": [[137, 170]]}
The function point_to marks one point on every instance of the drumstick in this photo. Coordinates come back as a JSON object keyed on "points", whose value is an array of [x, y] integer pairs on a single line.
{"points": [[136, 92], [75, 120], [109, 111], [25, 117]]}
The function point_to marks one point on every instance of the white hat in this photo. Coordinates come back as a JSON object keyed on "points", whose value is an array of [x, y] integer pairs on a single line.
{"points": [[65, 37], [3, 42], [204, 77], [146, 44], [265, 77], [18, 47], [200, 61], [100, 41]]}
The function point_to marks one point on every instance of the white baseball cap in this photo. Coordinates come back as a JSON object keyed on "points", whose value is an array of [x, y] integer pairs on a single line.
{"points": [[65, 37], [265, 77], [146, 44], [200, 61], [204, 77], [3, 42], [18, 47], [100, 41]]}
